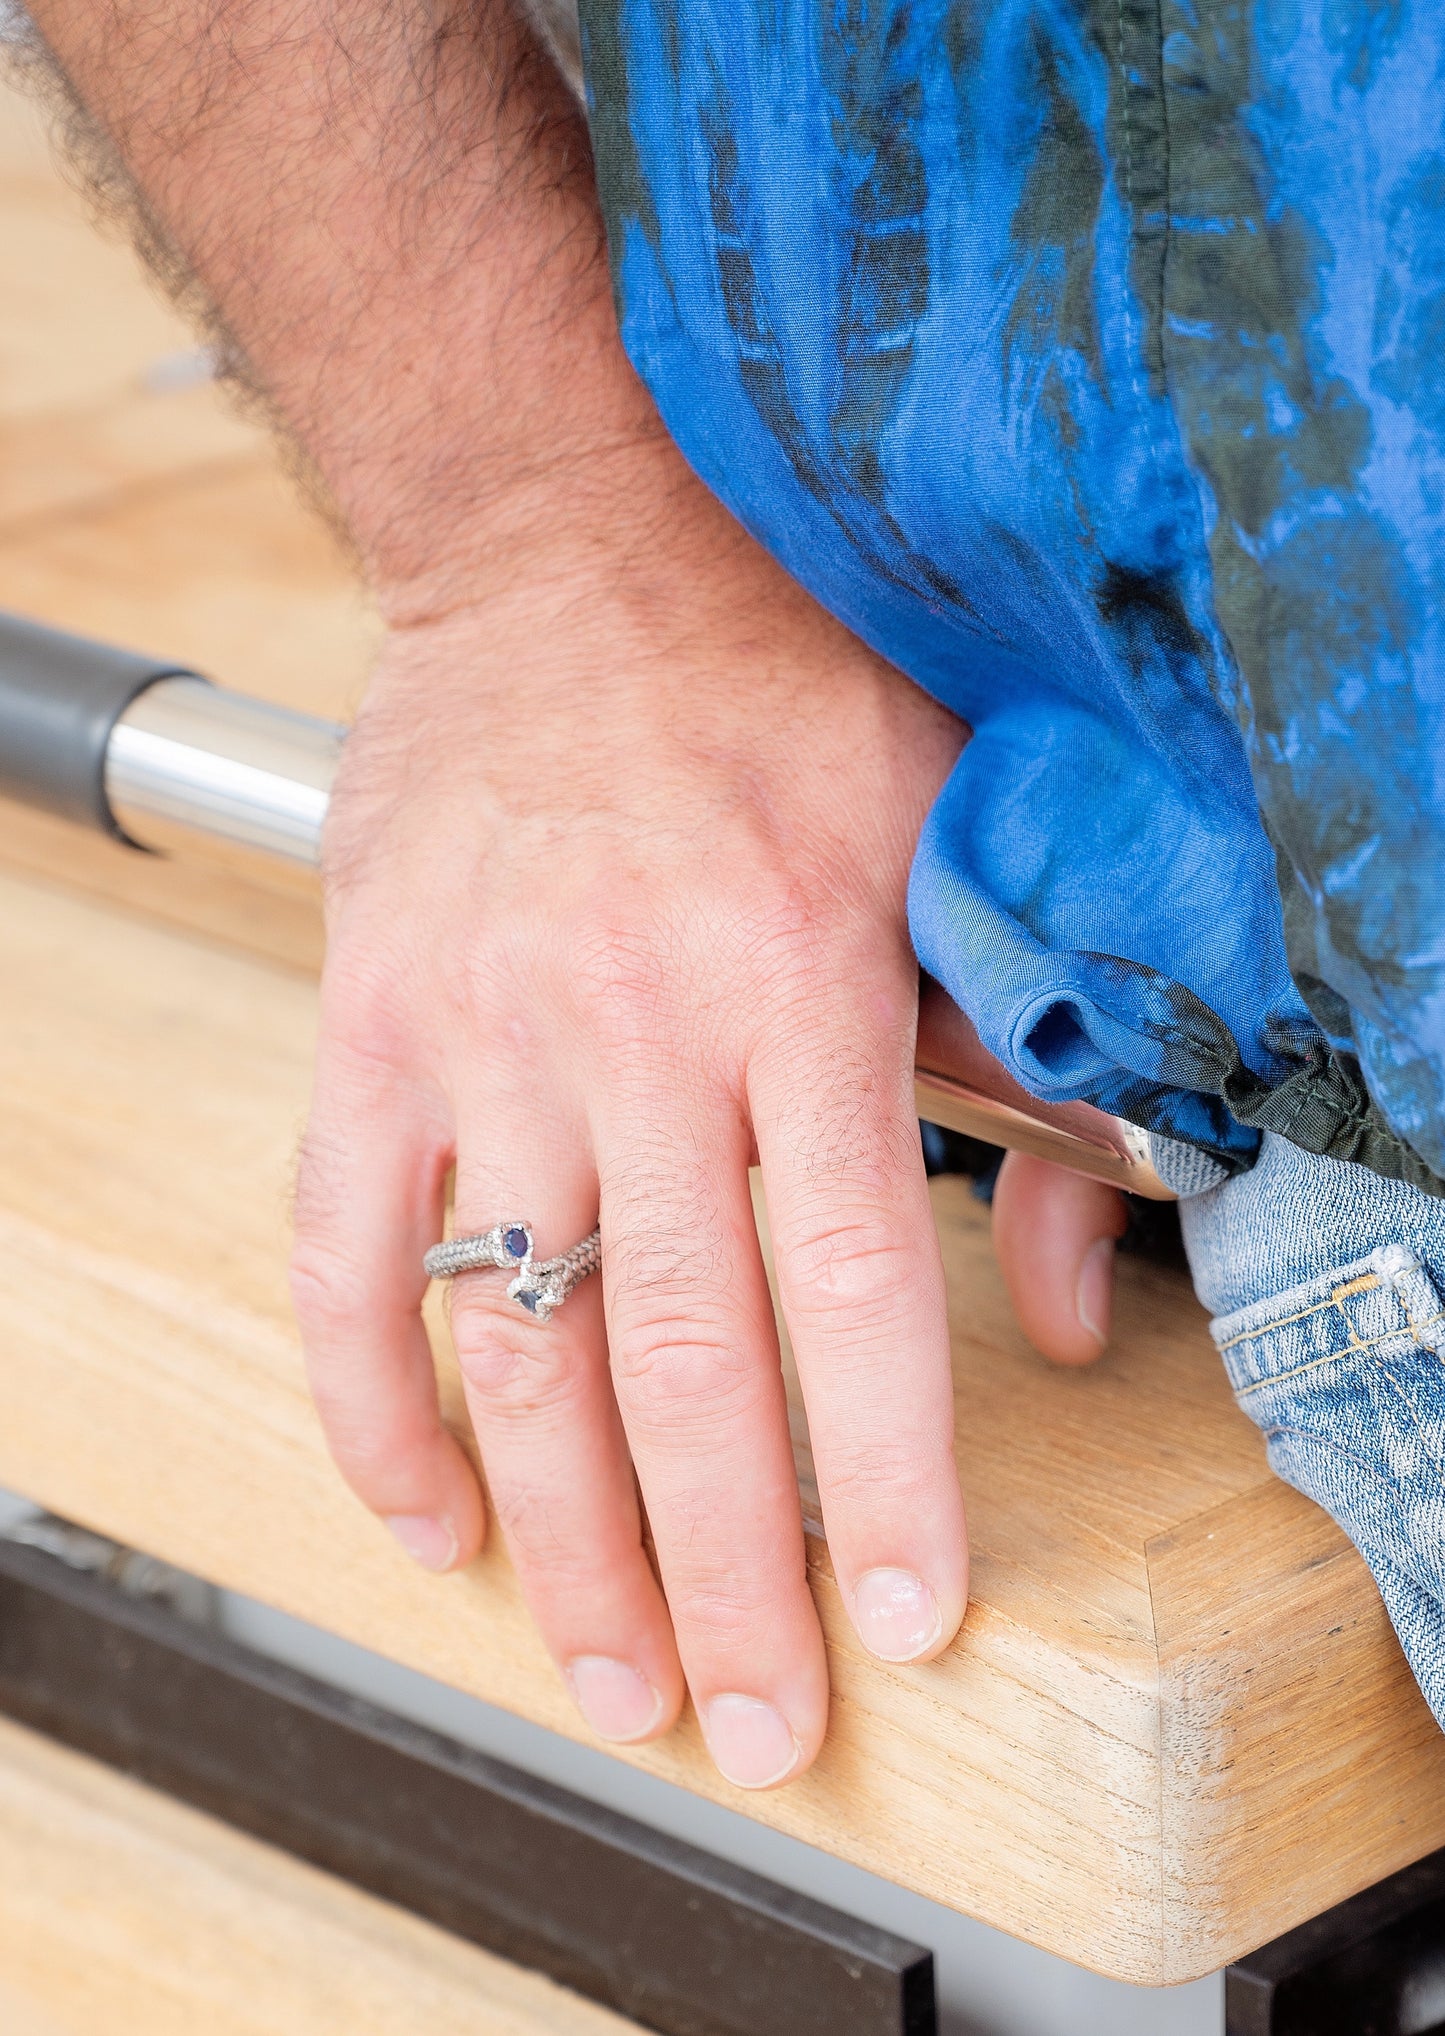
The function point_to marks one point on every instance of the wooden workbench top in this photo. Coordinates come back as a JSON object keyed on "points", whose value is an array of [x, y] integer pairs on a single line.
{"points": [[1176, 1721]]}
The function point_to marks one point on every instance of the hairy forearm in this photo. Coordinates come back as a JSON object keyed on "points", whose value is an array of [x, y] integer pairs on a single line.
{"points": [[390, 207]]}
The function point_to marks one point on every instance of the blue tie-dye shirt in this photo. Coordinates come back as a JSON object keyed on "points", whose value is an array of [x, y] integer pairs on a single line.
{"points": [[1087, 357]]}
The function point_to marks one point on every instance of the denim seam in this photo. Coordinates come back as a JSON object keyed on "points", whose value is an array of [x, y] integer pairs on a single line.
{"points": [[1333, 1448], [1351, 1349], [1416, 1274], [1393, 1274], [1431, 1455], [1303, 1315]]}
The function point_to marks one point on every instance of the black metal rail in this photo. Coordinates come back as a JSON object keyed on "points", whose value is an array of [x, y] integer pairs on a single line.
{"points": [[1372, 1966]]}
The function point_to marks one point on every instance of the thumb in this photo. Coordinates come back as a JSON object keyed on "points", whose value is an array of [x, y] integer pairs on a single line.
{"points": [[1054, 1235]]}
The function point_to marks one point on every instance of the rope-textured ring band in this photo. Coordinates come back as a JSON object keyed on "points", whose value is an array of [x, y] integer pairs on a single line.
{"points": [[541, 1284], [507, 1245]]}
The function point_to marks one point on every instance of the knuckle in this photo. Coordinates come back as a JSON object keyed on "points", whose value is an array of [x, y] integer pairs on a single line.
{"points": [[871, 1474], [328, 1291], [511, 1376], [370, 1019], [675, 1347], [364, 1449], [624, 977], [319, 1197], [785, 940], [681, 1367], [488, 977], [729, 1618], [856, 1269], [539, 1528]]}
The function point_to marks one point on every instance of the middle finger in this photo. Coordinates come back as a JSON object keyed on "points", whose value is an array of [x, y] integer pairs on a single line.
{"points": [[696, 1369]]}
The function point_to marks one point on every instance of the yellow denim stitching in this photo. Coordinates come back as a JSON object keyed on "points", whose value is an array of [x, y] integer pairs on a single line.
{"points": [[1362, 1285], [1356, 1343], [1333, 1356], [1302, 1314], [1416, 1327]]}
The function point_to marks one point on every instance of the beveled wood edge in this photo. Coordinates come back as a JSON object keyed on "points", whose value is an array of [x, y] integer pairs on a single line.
{"points": [[1309, 1632], [1231, 1870]]}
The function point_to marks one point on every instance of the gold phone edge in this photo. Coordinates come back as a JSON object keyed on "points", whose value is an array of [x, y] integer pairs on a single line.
{"points": [[1122, 1162]]}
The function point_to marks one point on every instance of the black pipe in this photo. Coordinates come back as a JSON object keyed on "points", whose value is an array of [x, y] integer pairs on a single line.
{"points": [[60, 698]]}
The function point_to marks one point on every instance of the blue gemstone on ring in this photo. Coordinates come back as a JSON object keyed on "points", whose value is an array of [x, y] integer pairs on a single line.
{"points": [[514, 1242], [528, 1300]]}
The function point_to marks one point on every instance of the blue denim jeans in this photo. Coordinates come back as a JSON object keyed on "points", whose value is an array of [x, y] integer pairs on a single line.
{"points": [[1325, 1285]]}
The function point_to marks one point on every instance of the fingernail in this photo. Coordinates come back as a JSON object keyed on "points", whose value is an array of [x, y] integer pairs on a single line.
{"points": [[897, 1614], [616, 1699], [432, 1543], [1094, 1295], [751, 1742]]}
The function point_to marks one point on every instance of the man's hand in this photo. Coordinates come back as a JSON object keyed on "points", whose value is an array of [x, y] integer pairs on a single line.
{"points": [[599, 942], [617, 868], [616, 874]]}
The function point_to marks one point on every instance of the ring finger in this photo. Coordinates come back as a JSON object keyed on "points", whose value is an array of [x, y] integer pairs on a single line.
{"points": [[552, 1444]]}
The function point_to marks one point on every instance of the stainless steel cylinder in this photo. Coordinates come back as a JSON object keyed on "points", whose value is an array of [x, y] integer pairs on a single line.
{"points": [[192, 767]]}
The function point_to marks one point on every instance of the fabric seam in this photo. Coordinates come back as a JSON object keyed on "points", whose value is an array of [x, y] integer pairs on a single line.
{"points": [[1300, 1315], [1351, 1349], [1432, 1455], [1331, 1447]]}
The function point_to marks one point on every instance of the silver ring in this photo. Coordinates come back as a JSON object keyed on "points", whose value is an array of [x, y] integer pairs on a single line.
{"points": [[507, 1244], [540, 1284]]}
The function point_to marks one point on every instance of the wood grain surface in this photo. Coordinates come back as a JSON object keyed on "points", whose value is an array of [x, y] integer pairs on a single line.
{"points": [[1176, 1721], [123, 1913]]}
